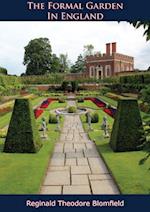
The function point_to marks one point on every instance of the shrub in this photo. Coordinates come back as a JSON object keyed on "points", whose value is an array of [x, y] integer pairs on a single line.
{"points": [[72, 109], [52, 118], [94, 117], [61, 100], [80, 99], [23, 135], [104, 91], [3, 71], [128, 133], [74, 86]]}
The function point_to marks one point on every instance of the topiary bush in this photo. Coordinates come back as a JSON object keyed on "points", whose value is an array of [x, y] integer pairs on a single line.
{"points": [[94, 117], [61, 100], [80, 99], [72, 109], [52, 118], [127, 133], [23, 135]]}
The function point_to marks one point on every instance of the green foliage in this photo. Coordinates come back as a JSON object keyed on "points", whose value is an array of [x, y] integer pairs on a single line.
{"points": [[38, 56], [9, 85], [88, 49], [55, 65], [23, 135], [44, 79], [64, 63], [3, 71], [52, 118], [79, 65], [94, 117], [61, 100], [104, 90], [72, 109], [74, 85], [128, 133], [80, 99], [145, 94]]}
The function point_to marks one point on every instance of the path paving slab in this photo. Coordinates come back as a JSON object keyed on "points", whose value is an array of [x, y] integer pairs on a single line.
{"points": [[57, 178], [80, 180], [104, 187], [59, 168], [57, 162], [82, 161], [76, 166], [80, 170], [97, 166], [71, 162], [100, 177], [76, 189], [51, 190]]}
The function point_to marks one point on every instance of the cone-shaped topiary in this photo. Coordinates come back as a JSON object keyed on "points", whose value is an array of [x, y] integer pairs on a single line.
{"points": [[23, 135], [127, 133]]}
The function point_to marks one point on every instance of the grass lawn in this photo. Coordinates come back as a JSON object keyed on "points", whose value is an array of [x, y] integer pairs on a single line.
{"points": [[131, 177], [109, 100], [88, 104], [5, 119], [24, 173]]}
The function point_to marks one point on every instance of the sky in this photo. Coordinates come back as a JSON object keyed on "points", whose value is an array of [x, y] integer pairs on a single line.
{"points": [[70, 38]]}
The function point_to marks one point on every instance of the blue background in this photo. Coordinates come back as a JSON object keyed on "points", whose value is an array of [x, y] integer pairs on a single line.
{"points": [[18, 203], [17, 10]]}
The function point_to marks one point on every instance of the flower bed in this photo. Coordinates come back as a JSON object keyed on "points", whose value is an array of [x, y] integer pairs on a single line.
{"points": [[46, 103], [109, 110], [38, 112]]}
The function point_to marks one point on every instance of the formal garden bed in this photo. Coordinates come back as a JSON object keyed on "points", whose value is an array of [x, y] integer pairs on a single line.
{"points": [[128, 175], [30, 166]]}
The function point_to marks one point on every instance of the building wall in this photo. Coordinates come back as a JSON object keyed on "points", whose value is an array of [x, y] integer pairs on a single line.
{"points": [[109, 64]]}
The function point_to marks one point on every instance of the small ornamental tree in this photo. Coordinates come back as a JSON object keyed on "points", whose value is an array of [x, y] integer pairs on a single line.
{"points": [[127, 133], [23, 135]]}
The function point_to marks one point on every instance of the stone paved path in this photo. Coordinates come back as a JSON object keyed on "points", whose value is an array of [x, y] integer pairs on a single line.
{"points": [[76, 167]]}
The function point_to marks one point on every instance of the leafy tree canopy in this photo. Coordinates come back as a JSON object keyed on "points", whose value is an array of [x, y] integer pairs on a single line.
{"points": [[79, 65], [88, 49], [38, 57]]}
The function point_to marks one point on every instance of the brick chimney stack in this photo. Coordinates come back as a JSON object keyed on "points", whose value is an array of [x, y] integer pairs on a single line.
{"points": [[114, 47], [107, 48]]}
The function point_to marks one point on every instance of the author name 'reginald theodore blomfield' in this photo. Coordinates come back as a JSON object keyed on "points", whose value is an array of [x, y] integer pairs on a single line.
{"points": [[89, 5]]}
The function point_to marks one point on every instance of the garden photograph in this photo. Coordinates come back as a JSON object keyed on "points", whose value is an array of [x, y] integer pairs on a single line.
{"points": [[75, 108]]}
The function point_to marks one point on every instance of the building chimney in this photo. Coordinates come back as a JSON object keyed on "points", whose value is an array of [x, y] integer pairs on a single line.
{"points": [[114, 47], [107, 48]]}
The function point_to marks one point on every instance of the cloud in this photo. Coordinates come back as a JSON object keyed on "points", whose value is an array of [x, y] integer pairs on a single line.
{"points": [[70, 37]]}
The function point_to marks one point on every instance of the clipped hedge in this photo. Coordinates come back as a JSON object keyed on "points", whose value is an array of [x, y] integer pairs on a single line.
{"points": [[72, 109], [137, 78], [127, 133], [61, 100], [94, 117], [43, 79], [80, 99], [52, 118], [23, 135], [3, 71]]}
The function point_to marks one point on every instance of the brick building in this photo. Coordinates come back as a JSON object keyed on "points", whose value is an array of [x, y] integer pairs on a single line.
{"points": [[109, 64]]}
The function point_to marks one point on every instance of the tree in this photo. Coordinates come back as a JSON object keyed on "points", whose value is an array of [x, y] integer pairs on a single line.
{"points": [[88, 49], [3, 71], [56, 65], [38, 57], [64, 63], [145, 25], [79, 65]]}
